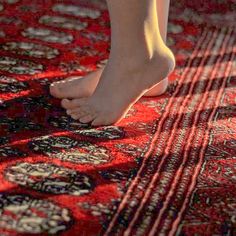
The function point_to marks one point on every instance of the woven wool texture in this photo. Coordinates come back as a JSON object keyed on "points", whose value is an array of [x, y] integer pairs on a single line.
{"points": [[168, 168]]}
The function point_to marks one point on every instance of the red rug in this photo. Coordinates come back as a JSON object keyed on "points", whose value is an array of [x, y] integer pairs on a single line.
{"points": [[167, 169]]}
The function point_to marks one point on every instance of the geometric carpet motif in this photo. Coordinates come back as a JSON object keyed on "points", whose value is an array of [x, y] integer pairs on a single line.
{"points": [[168, 168]]}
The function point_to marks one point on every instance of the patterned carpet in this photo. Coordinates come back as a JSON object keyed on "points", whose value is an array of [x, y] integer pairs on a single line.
{"points": [[168, 168]]}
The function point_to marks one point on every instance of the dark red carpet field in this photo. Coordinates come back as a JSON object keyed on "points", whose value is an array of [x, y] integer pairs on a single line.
{"points": [[168, 168]]}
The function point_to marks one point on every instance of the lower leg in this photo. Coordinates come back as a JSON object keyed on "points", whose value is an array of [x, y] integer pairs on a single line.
{"points": [[83, 87], [162, 14]]}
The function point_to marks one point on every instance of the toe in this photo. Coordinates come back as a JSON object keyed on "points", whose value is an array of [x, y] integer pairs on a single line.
{"points": [[54, 90], [75, 116], [67, 104], [78, 112], [84, 109], [98, 121], [79, 102], [87, 118], [69, 112], [73, 104]]}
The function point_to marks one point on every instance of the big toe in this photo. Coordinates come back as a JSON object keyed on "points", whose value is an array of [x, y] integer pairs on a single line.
{"points": [[60, 89], [55, 90]]}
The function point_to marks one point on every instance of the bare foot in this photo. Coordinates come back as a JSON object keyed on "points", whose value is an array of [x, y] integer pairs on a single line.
{"points": [[122, 83], [78, 87]]}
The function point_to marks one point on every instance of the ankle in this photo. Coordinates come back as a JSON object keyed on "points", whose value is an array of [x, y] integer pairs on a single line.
{"points": [[166, 57], [142, 49], [141, 60]]}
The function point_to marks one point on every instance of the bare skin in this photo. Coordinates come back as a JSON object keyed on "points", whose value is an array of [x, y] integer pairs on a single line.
{"points": [[136, 64], [78, 87]]}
